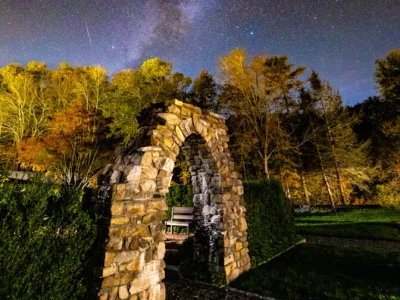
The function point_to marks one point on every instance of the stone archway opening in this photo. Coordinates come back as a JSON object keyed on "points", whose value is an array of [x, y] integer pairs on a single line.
{"points": [[207, 226], [136, 183]]}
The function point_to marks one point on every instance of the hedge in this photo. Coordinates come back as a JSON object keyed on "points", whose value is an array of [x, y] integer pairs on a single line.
{"points": [[45, 238], [269, 216], [179, 195]]}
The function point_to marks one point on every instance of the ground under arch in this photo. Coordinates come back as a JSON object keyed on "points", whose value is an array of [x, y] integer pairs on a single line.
{"points": [[136, 185]]}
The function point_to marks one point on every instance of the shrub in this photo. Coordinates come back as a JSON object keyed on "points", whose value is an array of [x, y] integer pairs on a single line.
{"points": [[179, 195], [388, 195], [45, 236], [269, 215]]}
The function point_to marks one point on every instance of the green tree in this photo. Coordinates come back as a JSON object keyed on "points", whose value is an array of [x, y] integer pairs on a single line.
{"points": [[133, 90], [280, 75], [204, 91], [387, 75]]}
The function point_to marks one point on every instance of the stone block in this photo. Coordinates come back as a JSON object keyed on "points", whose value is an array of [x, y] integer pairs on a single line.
{"points": [[159, 251], [174, 109], [147, 219], [113, 294], [185, 112], [156, 292], [147, 159], [126, 256], [135, 208], [148, 186], [169, 118], [123, 292], [244, 251], [109, 258], [229, 259], [238, 246], [141, 284], [114, 243], [242, 224], [233, 275], [159, 162], [134, 174], [119, 220], [169, 165], [144, 295], [115, 177], [116, 208], [125, 278], [179, 134], [148, 172], [107, 282], [229, 268], [109, 271], [103, 296], [175, 102], [137, 264], [157, 204], [118, 192]]}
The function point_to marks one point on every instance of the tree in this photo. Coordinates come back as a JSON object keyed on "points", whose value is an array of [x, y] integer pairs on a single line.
{"points": [[25, 110], [204, 91], [244, 95], [133, 90], [253, 92], [281, 76], [73, 149], [387, 75], [335, 144]]}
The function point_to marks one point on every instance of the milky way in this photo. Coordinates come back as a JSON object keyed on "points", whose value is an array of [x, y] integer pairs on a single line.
{"points": [[339, 39]]}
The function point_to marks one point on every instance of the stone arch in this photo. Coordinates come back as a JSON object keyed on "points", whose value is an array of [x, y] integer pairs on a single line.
{"points": [[136, 185]]}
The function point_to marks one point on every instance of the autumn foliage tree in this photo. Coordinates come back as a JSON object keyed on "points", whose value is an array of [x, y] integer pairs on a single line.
{"points": [[74, 148], [253, 91]]}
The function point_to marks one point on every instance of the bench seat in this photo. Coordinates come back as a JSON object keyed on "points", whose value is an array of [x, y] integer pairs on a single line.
{"points": [[177, 223], [178, 214]]}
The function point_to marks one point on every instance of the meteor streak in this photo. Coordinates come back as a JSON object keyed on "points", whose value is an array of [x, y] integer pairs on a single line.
{"points": [[88, 33]]}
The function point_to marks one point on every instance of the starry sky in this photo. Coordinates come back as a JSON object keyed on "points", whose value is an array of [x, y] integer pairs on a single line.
{"points": [[340, 39]]}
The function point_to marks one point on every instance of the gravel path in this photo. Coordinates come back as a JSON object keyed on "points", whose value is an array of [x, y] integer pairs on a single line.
{"points": [[346, 242]]}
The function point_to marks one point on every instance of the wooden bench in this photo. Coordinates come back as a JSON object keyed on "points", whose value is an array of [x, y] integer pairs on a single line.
{"points": [[178, 214]]}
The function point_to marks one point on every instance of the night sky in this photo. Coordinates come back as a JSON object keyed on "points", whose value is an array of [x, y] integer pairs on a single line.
{"points": [[340, 39]]}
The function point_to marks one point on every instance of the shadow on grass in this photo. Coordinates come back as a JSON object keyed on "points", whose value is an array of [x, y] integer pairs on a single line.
{"points": [[365, 230], [320, 221], [325, 272]]}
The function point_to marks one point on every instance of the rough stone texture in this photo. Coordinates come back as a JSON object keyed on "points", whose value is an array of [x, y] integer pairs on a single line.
{"points": [[136, 185]]}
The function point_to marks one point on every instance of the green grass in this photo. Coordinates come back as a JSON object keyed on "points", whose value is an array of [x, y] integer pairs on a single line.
{"points": [[326, 272], [376, 224]]}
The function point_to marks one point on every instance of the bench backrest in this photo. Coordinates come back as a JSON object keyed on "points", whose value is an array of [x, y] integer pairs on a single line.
{"points": [[182, 213]]}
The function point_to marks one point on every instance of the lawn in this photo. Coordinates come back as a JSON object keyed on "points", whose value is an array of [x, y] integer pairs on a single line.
{"points": [[312, 271], [374, 224]]}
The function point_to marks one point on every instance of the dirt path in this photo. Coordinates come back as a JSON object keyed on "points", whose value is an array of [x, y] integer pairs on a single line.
{"points": [[185, 289], [347, 242]]}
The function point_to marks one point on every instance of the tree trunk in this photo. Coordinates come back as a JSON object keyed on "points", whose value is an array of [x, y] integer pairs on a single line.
{"points": [[287, 190], [304, 186], [335, 160], [266, 170], [325, 178]]}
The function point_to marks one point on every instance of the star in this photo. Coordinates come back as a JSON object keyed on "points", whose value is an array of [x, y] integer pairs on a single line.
{"points": [[192, 34]]}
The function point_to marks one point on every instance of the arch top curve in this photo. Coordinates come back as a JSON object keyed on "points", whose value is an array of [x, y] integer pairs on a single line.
{"points": [[175, 121], [136, 183]]}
